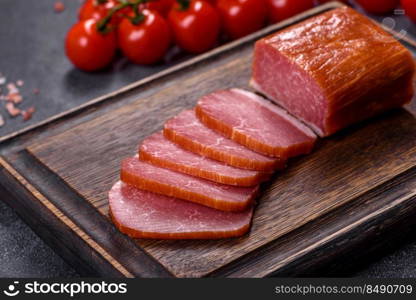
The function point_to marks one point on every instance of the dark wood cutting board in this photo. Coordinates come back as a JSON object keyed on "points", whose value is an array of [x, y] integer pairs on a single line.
{"points": [[354, 185]]}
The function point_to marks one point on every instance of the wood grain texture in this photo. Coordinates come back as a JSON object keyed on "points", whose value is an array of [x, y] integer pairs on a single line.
{"points": [[349, 190], [44, 193], [331, 237]]}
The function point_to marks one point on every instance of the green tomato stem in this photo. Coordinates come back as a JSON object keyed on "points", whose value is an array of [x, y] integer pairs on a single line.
{"points": [[184, 4], [102, 25]]}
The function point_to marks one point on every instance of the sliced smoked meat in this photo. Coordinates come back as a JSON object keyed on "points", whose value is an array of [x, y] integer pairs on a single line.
{"points": [[333, 70], [170, 183], [189, 133], [254, 122], [142, 214], [161, 152]]}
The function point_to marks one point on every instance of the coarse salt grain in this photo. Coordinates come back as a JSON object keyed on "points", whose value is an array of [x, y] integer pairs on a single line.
{"points": [[12, 110], [15, 98], [27, 114], [12, 88], [59, 7]]}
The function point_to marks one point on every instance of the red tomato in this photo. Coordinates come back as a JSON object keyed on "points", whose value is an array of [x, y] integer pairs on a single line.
{"points": [[92, 9], [242, 17], [146, 42], [326, 1], [161, 6], [409, 7], [88, 49], [282, 9], [195, 28], [378, 6]]}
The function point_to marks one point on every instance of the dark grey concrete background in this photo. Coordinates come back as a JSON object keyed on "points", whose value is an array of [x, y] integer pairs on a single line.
{"points": [[31, 49]]}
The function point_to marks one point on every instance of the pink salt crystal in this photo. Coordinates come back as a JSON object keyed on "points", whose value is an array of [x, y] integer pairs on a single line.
{"points": [[27, 114], [15, 98], [12, 110], [59, 7], [12, 88]]}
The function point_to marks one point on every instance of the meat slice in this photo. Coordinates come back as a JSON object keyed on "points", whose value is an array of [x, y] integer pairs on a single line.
{"points": [[170, 183], [142, 214], [333, 70], [255, 123], [189, 133], [161, 152]]}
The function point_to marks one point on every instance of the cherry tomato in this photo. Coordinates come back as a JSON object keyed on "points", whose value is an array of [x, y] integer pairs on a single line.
{"points": [[409, 7], [282, 9], [195, 28], [326, 1], [88, 49], [242, 17], [161, 6], [93, 9], [146, 42], [378, 6]]}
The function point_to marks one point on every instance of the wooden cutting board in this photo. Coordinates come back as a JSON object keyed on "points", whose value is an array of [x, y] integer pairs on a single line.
{"points": [[354, 186]]}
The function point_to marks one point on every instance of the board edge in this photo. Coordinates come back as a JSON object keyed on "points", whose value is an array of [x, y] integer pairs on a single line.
{"points": [[93, 245]]}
